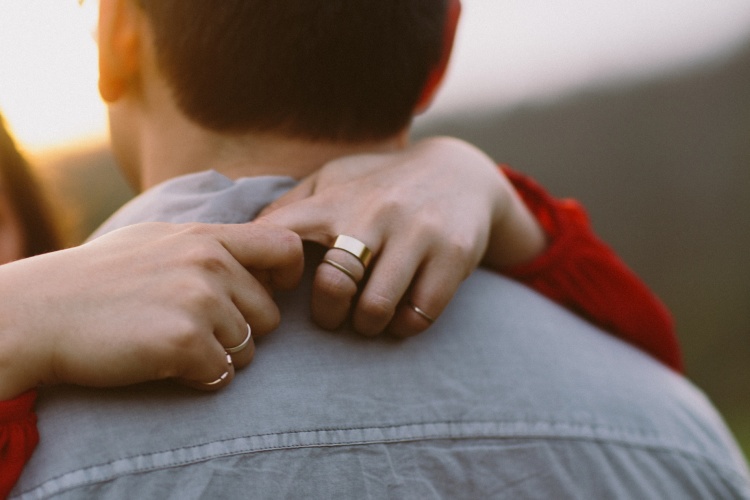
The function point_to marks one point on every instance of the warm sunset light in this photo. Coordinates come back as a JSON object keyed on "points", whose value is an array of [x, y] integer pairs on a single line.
{"points": [[506, 52], [48, 72]]}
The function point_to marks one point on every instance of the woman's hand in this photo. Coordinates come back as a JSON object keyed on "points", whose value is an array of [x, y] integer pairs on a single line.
{"points": [[427, 214], [147, 302]]}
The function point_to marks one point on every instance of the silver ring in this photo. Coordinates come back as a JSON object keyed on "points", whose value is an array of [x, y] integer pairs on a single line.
{"points": [[342, 269], [223, 375], [355, 247], [218, 380], [419, 311], [236, 349]]}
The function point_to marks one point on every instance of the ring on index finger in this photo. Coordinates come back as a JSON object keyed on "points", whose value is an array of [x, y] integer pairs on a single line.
{"points": [[355, 247]]}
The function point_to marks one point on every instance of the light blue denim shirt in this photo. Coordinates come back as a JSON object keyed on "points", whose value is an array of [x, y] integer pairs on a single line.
{"points": [[506, 396]]}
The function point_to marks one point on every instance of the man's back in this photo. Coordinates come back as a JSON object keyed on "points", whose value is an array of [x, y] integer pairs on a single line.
{"points": [[507, 395]]}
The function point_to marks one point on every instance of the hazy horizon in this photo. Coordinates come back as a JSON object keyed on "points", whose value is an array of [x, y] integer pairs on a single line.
{"points": [[518, 50]]}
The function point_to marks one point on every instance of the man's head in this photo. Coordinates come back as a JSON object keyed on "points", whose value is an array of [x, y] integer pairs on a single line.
{"points": [[332, 70]]}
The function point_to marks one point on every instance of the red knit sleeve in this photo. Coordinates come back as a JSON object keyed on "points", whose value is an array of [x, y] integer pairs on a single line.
{"points": [[582, 273], [18, 438]]}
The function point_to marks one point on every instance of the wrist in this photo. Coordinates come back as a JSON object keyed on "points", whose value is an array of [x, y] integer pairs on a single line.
{"points": [[22, 348], [17, 368], [517, 236]]}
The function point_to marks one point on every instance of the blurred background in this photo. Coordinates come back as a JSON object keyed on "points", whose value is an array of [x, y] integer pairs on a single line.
{"points": [[639, 109]]}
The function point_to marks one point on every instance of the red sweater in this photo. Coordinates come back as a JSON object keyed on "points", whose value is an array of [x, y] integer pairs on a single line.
{"points": [[582, 273], [18, 438], [577, 271]]}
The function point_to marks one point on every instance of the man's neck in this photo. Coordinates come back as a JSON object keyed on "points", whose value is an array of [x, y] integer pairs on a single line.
{"points": [[155, 141], [171, 151]]}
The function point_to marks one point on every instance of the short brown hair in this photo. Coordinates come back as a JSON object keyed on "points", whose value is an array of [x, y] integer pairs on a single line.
{"points": [[343, 70]]}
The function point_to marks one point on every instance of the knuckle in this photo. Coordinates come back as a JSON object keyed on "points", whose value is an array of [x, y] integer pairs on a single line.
{"points": [[377, 307], [393, 205], [460, 250], [333, 283], [186, 337], [211, 258], [199, 296], [267, 322], [214, 263], [431, 222], [430, 225], [290, 244]]}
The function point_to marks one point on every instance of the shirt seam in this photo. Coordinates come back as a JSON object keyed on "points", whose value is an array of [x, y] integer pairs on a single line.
{"points": [[612, 435]]}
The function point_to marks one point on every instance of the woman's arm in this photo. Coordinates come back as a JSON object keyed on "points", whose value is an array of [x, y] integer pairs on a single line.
{"points": [[425, 212], [431, 214], [582, 273], [86, 315]]}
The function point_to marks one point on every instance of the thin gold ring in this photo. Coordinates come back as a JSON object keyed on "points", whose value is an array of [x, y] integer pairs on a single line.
{"points": [[342, 269], [419, 311], [355, 247], [236, 349]]}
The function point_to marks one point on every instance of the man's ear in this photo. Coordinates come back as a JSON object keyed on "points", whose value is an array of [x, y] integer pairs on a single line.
{"points": [[12, 237], [438, 72], [118, 37]]}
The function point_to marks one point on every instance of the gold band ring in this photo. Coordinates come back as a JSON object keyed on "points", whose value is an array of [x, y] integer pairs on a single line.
{"points": [[419, 311], [342, 269], [354, 247], [236, 349]]}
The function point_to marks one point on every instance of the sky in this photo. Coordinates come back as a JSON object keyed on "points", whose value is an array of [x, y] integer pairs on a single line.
{"points": [[507, 52], [48, 71]]}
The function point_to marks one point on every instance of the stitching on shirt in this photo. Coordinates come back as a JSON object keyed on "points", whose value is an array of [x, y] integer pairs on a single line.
{"points": [[619, 436]]}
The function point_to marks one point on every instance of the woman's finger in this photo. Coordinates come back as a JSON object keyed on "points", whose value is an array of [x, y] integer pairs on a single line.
{"points": [[254, 303], [303, 190], [211, 376], [386, 285], [264, 247], [235, 334], [335, 286], [313, 219], [432, 289], [214, 324]]}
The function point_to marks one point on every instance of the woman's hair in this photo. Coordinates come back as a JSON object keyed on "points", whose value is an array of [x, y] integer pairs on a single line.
{"points": [[25, 195]]}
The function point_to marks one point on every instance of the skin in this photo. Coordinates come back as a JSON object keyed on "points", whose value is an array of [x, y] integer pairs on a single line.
{"points": [[100, 301], [430, 214]]}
